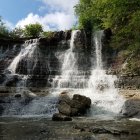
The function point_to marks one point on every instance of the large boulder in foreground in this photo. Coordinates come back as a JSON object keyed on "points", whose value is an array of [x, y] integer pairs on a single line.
{"points": [[76, 106], [131, 108]]}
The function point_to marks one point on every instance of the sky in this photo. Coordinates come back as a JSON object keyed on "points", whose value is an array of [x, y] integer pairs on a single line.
{"points": [[51, 14]]}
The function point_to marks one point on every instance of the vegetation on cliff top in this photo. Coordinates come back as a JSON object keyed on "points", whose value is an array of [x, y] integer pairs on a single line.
{"points": [[122, 16], [29, 31]]}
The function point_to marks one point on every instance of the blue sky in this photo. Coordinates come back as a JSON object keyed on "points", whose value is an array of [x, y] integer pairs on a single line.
{"points": [[52, 14]]}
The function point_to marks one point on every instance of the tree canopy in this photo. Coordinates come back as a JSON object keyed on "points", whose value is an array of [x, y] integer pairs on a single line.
{"points": [[33, 30], [122, 16], [3, 30]]}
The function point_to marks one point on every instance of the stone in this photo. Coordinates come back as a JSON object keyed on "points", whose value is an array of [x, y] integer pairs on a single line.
{"points": [[1, 109], [83, 99], [76, 106], [108, 33], [18, 96], [60, 117], [12, 81], [131, 108], [2, 101], [64, 98], [29, 94], [64, 108]]}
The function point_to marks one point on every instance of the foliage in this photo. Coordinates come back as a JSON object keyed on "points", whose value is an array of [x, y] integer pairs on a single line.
{"points": [[48, 34], [3, 30], [122, 17], [33, 30], [17, 33]]}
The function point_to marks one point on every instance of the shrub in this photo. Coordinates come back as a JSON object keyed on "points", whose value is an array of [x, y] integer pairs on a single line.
{"points": [[33, 30]]}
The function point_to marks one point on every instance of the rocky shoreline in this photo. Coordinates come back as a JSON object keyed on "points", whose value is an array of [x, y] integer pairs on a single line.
{"points": [[78, 129]]}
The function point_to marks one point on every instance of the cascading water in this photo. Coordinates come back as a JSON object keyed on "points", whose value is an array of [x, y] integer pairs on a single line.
{"points": [[71, 77], [102, 86], [98, 86], [29, 104], [28, 52]]}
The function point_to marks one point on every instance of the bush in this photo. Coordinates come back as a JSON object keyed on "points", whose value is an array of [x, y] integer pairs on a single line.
{"points": [[48, 34], [17, 33], [4, 32], [33, 30]]}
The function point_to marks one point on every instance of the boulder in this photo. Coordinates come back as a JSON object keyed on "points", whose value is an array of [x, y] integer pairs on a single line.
{"points": [[60, 117], [76, 106], [131, 108], [84, 100]]}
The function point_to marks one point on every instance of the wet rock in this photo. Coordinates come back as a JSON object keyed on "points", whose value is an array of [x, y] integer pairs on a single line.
{"points": [[60, 117], [131, 108], [2, 101], [2, 78], [18, 96], [85, 101], [1, 109], [80, 41], [29, 94], [76, 106], [64, 108], [12, 81], [108, 33]]}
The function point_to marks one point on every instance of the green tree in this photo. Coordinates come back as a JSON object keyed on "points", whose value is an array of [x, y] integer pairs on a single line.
{"points": [[122, 16], [3, 30], [17, 33], [33, 30]]}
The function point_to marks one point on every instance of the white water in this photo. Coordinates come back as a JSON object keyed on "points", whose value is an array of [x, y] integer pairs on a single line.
{"points": [[29, 53], [100, 87], [26, 53], [70, 77]]}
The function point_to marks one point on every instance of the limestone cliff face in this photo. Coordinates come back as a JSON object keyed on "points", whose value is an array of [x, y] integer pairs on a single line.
{"points": [[45, 64]]}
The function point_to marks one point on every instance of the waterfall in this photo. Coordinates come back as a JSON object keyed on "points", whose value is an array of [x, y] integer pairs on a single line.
{"points": [[102, 86], [98, 48], [70, 76], [99, 86], [26, 53], [29, 54]]}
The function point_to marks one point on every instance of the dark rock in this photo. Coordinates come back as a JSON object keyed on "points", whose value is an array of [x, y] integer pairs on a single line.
{"points": [[12, 81], [18, 96], [108, 33], [64, 98], [64, 108], [1, 109], [131, 108], [76, 106], [2, 78], [2, 101], [84, 100], [60, 117], [129, 82], [68, 34], [80, 40], [99, 130]]}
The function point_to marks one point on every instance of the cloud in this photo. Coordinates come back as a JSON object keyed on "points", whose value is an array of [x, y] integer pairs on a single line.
{"points": [[52, 21], [8, 24], [59, 15], [61, 5]]}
